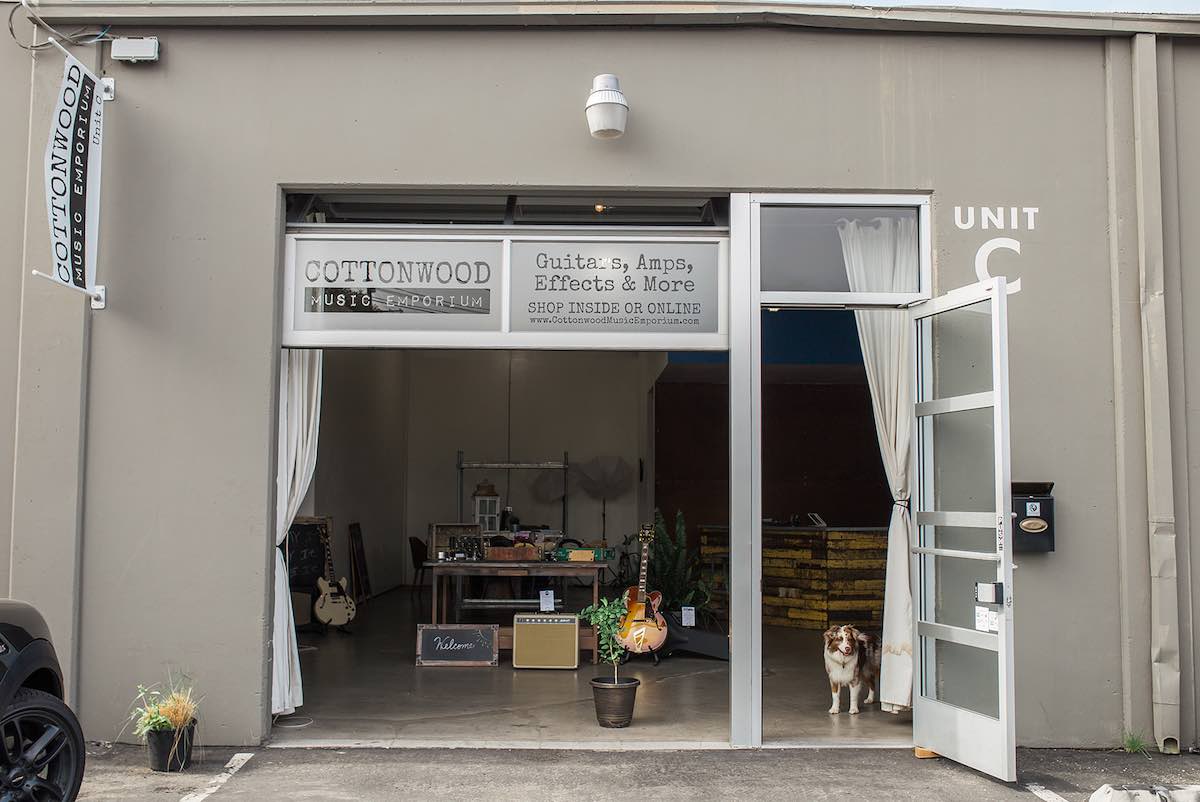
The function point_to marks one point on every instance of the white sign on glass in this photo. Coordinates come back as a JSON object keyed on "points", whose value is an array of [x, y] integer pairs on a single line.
{"points": [[615, 286], [373, 284], [504, 291]]}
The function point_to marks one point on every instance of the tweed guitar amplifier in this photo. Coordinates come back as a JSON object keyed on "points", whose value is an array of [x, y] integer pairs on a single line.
{"points": [[545, 640]]}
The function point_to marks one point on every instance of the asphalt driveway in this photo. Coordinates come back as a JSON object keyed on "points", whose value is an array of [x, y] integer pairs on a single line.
{"points": [[119, 773]]}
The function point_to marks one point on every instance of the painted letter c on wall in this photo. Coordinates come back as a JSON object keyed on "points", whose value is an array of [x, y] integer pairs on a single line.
{"points": [[984, 253]]}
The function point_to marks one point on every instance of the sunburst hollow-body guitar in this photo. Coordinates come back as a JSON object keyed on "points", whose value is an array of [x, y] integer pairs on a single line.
{"points": [[643, 629]]}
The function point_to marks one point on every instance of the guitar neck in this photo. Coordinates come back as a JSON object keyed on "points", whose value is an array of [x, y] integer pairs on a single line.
{"points": [[329, 564], [642, 573]]}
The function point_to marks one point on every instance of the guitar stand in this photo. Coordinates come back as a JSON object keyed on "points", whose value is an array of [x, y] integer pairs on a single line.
{"points": [[628, 654]]}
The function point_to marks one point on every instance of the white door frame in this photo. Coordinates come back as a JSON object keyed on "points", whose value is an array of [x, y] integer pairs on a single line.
{"points": [[961, 734], [746, 300]]}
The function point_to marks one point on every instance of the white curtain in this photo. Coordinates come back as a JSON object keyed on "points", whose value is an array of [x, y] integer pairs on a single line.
{"points": [[300, 403], [882, 256]]}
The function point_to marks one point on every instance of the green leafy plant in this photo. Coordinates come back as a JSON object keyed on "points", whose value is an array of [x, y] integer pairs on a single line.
{"points": [[157, 708], [674, 569], [1135, 743], [606, 618]]}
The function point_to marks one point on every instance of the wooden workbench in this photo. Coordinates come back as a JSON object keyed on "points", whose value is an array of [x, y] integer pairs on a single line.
{"points": [[442, 571]]}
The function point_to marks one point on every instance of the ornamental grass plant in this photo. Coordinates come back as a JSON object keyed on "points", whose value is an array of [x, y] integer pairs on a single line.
{"points": [[156, 709]]}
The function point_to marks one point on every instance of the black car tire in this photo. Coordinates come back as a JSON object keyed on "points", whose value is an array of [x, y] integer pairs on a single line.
{"points": [[55, 772]]}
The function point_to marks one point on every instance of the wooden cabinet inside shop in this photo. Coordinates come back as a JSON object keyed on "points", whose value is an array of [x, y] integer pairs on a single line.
{"points": [[813, 577]]}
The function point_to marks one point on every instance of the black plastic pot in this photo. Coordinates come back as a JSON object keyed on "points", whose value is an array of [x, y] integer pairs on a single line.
{"points": [[171, 750], [614, 700]]}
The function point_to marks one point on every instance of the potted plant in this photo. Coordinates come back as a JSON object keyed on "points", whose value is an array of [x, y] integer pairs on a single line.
{"points": [[614, 697], [675, 570], [166, 721]]}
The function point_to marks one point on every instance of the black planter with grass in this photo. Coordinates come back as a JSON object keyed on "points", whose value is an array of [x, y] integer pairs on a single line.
{"points": [[165, 718], [171, 750]]}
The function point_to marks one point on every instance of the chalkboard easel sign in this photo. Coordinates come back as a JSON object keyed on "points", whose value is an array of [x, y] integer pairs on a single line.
{"points": [[458, 644], [307, 548]]}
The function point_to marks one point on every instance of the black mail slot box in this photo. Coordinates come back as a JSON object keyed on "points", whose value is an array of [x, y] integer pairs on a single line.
{"points": [[1033, 516]]}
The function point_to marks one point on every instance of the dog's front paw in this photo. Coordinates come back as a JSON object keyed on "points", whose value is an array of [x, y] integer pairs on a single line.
{"points": [[854, 711], [833, 711]]}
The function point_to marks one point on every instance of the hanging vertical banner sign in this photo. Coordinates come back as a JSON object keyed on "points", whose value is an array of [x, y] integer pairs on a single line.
{"points": [[73, 176]]}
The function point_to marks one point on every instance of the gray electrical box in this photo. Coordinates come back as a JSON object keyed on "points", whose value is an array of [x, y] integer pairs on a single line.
{"points": [[134, 48], [1033, 516]]}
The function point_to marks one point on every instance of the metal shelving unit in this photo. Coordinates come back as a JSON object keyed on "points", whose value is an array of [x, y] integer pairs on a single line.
{"points": [[547, 465]]}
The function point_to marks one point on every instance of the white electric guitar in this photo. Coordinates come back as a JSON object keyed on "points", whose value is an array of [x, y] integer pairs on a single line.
{"points": [[333, 607]]}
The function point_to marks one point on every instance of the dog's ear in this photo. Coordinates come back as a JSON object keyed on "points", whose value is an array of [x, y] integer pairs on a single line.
{"points": [[830, 634]]}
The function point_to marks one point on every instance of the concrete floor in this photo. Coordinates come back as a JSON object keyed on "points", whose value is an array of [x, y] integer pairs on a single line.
{"points": [[364, 689], [796, 699]]}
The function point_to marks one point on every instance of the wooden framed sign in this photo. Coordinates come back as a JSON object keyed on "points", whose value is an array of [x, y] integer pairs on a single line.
{"points": [[458, 644]]}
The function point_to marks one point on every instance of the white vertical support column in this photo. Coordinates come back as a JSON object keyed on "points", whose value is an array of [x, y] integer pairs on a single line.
{"points": [[745, 480], [1132, 545], [1169, 103], [1164, 593], [1164, 609]]}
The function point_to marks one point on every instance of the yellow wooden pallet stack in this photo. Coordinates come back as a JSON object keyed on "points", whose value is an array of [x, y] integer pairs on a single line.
{"points": [[813, 578]]}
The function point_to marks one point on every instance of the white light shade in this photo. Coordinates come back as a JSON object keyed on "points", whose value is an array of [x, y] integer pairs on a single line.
{"points": [[607, 110]]}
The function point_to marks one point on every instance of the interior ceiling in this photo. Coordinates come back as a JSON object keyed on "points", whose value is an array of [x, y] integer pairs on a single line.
{"points": [[498, 209]]}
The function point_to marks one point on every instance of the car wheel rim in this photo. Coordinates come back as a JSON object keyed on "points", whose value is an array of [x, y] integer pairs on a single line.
{"points": [[37, 757]]}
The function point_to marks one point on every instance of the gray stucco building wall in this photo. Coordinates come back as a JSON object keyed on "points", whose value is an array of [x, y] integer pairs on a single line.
{"points": [[14, 137], [159, 554]]}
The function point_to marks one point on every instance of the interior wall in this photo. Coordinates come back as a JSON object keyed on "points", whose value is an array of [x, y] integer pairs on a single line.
{"points": [[361, 459], [820, 452], [588, 404], [653, 364]]}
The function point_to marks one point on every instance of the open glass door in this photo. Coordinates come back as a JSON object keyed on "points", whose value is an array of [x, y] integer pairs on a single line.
{"points": [[962, 551]]}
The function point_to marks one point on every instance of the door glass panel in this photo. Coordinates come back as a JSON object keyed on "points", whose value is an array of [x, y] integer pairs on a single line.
{"points": [[953, 581], [963, 676], [962, 538], [964, 471], [801, 249], [962, 351]]}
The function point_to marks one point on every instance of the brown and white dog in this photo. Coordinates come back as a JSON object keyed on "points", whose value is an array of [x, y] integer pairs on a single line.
{"points": [[851, 658]]}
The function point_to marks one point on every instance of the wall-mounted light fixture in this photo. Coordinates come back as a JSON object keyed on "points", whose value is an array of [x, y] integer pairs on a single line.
{"points": [[134, 48], [607, 109]]}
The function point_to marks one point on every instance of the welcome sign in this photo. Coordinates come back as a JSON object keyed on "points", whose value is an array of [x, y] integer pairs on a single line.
{"points": [[517, 291]]}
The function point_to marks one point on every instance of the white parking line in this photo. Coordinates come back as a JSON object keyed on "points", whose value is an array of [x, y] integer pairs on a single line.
{"points": [[231, 768], [1043, 793]]}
